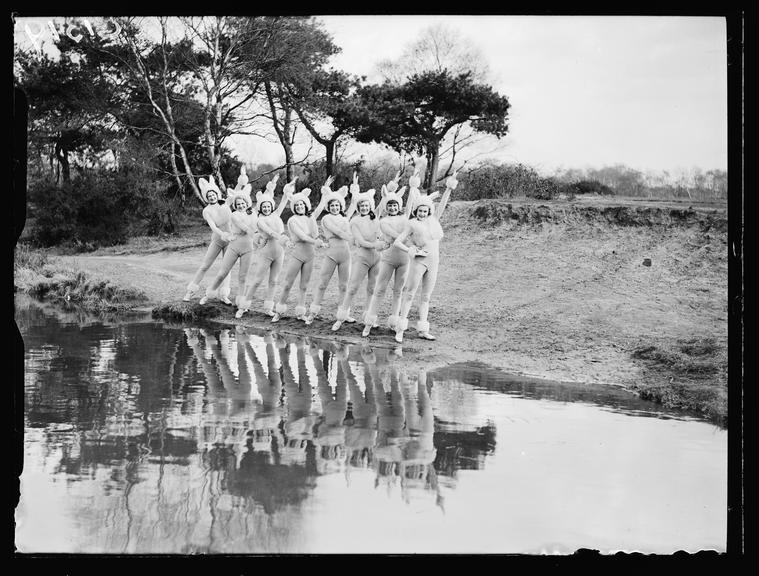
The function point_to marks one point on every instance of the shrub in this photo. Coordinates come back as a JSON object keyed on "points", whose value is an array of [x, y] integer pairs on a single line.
{"points": [[592, 187], [505, 181], [99, 209]]}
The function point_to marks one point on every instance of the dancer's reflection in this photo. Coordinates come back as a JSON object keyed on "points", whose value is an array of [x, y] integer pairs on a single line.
{"points": [[225, 420], [418, 452], [263, 427], [330, 430], [268, 382], [361, 425], [299, 423], [391, 424]]}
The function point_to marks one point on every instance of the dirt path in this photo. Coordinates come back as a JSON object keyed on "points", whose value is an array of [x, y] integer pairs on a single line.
{"points": [[563, 299]]}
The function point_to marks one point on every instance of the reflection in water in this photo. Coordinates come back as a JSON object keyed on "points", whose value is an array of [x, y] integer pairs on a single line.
{"points": [[145, 437]]}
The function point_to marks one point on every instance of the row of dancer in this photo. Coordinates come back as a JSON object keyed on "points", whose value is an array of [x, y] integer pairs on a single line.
{"points": [[389, 243]]}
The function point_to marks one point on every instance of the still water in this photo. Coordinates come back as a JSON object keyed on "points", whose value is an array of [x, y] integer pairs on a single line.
{"points": [[146, 437]]}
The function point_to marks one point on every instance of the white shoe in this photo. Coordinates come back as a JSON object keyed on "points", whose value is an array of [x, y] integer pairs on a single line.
{"points": [[336, 325], [269, 312], [399, 336], [426, 336], [276, 317], [203, 300], [350, 320], [367, 330], [226, 300], [187, 297], [240, 312]]}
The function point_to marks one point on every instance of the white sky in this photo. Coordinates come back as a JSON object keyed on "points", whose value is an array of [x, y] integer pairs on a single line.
{"points": [[648, 92]]}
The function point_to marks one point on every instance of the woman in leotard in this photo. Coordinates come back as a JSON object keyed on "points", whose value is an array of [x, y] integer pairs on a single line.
{"points": [[337, 233], [423, 234], [217, 216], [365, 261], [244, 238], [394, 262], [304, 234], [271, 253]]}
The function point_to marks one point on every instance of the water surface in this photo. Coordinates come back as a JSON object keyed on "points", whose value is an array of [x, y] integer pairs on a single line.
{"points": [[146, 437]]}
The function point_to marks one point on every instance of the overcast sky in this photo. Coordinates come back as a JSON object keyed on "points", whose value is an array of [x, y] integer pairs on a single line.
{"points": [[648, 92]]}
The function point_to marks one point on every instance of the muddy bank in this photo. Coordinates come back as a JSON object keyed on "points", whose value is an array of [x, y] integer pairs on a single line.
{"points": [[497, 212], [567, 291]]}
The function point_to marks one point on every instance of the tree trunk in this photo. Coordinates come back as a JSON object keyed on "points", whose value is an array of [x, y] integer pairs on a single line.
{"points": [[433, 159], [288, 144], [175, 169], [329, 156], [63, 161]]}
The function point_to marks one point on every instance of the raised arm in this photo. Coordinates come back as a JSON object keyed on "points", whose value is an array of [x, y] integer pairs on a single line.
{"points": [[354, 190], [412, 194], [450, 186], [323, 200], [287, 191]]}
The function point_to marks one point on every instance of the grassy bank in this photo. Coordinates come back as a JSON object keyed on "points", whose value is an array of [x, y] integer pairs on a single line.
{"points": [[36, 274], [689, 374]]}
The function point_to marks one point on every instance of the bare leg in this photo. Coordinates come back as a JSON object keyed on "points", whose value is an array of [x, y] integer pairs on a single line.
{"points": [[380, 287], [211, 253], [409, 291], [305, 276], [226, 265], [358, 273], [291, 270], [428, 285], [325, 275]]}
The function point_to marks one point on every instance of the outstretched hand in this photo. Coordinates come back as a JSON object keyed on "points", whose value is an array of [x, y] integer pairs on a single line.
{"points": [[289, 188], [354, 188], [415, 181], [392, 186], [272, 184], [326, 187], [451, 182]]}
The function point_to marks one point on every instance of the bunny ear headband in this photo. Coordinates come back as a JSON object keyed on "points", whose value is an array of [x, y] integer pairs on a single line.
{"points": [[338, 195], [264, 196], [426, 200], [393, 196], [244, 194], [208, 185], [300, 196], [242, 181], [368, 195]]}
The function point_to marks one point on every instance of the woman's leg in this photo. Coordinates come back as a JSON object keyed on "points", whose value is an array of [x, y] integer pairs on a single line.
{"points": [[230, 257], [371, 285], [242, 274], [211, 253], [275, 267], [357, 274], [380, 287], [325, 275], [416, 271], [292, 268], [399, 281], [226, 285], [260, 268], [305, 277], [428, 285]]}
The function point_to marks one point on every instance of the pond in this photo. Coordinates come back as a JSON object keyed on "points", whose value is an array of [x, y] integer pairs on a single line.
{"points": [[145, 437]]}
